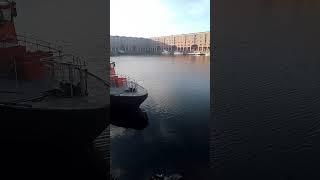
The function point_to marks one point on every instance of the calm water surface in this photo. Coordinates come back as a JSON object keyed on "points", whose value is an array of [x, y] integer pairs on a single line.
{"points": [[170, 133], [266, 90]]}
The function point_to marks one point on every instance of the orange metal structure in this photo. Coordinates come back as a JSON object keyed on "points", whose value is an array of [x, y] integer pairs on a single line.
{"points": [[15, 57], [117, 81]]}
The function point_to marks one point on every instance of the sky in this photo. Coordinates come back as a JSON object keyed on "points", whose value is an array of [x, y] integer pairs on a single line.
{"points": [[151, 18], [79, 26]]}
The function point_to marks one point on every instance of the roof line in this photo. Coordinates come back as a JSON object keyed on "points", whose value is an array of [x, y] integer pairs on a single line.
{"points": [[164, 36]]}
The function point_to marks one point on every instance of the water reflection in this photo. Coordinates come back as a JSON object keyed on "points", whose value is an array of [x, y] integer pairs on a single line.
{"points": [[189, 59], [175, 137], [133, 119]]}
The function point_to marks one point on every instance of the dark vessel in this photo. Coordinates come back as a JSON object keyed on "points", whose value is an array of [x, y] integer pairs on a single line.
{"points": [[125, 93], [44, 93], [163, 177], [133, 119]]}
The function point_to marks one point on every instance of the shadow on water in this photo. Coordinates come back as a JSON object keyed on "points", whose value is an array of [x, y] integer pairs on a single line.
{"points": [[46, 159], [133, 118]]}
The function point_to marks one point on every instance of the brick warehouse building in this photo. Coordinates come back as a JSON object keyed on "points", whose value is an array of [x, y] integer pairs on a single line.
{"points": [[185, 42], [191, 42]]}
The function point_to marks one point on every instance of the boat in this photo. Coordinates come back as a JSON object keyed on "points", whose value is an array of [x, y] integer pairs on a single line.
{"points": [[178, 53], [164, 52], [164, 177], [125, 92], [196, 53], [121, 52], [46, 94], [130, 118]]}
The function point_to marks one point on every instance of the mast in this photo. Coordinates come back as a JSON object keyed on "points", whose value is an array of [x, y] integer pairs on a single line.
{"points": [[7, 29]]}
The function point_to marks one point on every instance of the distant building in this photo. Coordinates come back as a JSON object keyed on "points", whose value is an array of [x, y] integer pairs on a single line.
{"points": [[131, 45], [183, 42]]}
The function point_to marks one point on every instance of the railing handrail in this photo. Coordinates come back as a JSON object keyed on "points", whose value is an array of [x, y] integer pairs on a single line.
{"points": [[63, 63], [32, 38], [36, 39], [59, 51], [38, 42], [58, 58], [50, 46], [97, 77], [47, 59], [84, 63]]}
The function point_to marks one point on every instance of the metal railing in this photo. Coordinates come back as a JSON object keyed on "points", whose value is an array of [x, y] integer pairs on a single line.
{"points": [[33, 44], [70, 70], [38, 45], [63, 68], [129, 82]]}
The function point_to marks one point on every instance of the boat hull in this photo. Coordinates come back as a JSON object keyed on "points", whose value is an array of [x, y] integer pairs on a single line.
{"points": [[70, 126], [127, 102], [133, 119]]}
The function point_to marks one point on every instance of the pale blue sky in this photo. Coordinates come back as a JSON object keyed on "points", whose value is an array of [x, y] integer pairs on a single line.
{"points": [[149, 18]]}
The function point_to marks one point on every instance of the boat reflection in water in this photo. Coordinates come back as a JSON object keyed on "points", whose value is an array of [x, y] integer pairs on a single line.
{"points": [[131, 118]]}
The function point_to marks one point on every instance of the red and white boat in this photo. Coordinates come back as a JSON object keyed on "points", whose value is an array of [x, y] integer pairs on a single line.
{"points": [[125, 93], [45, 93]]}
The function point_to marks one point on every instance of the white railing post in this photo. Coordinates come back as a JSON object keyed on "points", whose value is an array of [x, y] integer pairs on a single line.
{"points": [[71, 79], [53, 72], [85, 80], [62, 73], [81, 82], [15, 71]]}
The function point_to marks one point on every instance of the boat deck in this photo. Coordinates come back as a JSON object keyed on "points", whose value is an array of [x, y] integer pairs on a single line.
{"points": [[121, 91], [31, 94], [10, 91]]}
